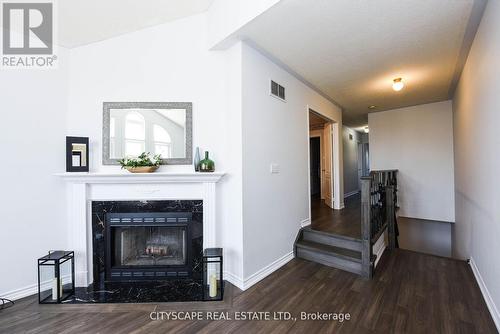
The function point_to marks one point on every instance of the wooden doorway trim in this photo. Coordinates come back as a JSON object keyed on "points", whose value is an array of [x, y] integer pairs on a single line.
{"points": [[334, 184]]}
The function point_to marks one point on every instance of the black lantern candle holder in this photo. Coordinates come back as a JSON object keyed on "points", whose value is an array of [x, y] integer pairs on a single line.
{"points": [[56, 277], [213, 282]]}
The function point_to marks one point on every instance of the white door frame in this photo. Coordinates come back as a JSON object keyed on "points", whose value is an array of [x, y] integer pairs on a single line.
{"points": [[337, 198]]}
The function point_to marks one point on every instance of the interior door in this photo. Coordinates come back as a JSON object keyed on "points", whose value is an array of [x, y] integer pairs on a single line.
{"points": [[327, 158], [360, 164], [315, 165]]}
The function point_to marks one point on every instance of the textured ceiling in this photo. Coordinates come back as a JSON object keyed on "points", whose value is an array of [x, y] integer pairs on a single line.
{"points": [[352, 49], [86, 21]]}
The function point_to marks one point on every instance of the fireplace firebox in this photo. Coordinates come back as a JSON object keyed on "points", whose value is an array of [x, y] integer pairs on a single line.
{"points": [[148, 246]]}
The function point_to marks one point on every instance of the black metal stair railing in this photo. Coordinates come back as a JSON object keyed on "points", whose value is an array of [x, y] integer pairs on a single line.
{"points": [[378, 212]]}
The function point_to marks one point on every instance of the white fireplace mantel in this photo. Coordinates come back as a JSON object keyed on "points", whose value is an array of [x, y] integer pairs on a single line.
{"points": [[83, 188], [128, 178]]}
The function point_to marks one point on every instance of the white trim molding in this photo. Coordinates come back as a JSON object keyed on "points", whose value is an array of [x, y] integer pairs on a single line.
{"points": [[127, 177], [305, 222], [22, 292], [486, 294], [32, 289], [234, 280], [267, 270], [338, 201], [244, 284], [352, 193], [378, 248]]}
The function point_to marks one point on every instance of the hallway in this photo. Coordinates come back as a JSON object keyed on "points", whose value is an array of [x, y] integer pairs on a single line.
{"points": [[346, 222]]}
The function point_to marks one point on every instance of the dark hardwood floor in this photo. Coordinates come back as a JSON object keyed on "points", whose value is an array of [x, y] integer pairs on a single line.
{"points": [[345, 222], [410, 293]]}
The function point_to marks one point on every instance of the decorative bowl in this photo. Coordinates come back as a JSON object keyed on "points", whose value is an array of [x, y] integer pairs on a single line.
{"points": [[145, 169]]}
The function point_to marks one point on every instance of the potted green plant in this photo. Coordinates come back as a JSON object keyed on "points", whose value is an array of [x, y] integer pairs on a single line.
{"points": [[144, 163]]}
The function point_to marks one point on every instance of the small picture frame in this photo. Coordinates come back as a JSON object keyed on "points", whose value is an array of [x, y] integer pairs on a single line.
{"points": [[77, 154]]}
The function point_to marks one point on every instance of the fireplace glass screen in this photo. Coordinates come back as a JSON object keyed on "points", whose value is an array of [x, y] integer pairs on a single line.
{"points": [[148, 246]]}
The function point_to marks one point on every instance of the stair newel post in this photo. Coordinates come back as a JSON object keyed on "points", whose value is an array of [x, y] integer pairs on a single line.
{"points": [[389, 198], [366, 251]]}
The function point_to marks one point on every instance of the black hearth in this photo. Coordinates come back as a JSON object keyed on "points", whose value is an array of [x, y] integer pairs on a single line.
{"points": [[148, 246]]}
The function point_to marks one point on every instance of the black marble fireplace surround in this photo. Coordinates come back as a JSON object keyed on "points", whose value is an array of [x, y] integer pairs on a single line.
{"points": [[187, 286], [148, 246]]}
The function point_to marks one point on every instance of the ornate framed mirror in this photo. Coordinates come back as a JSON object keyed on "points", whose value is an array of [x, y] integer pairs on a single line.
{"points": [[130, 128]]}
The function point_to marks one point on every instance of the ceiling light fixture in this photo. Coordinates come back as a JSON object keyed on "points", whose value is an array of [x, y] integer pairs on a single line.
{"points": [[397, 84], [366, 129]]}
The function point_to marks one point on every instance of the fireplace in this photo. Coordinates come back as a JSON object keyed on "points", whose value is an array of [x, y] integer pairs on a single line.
{"points": [[148, 246], [147, 241], [95, 196]]}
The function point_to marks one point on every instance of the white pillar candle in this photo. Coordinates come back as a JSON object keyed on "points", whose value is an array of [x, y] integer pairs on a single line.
{"points": [[212, 286], [55, 286]]}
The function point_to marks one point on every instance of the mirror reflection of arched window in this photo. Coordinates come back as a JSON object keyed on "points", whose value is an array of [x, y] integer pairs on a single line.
{"points": [[112, 137], [162, 142], [135, 134]]}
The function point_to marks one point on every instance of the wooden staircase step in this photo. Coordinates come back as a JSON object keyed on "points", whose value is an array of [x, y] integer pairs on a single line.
{"points": [[331, 239], [332, 256], [337, 251]]}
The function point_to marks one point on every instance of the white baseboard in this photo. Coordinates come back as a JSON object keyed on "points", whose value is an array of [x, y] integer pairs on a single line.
{"points": [[259, 275], [21, 292], [305, 222], [234, 280], [379, 248], [486, 294], [352, 193], [32, 289], [267, 270]]}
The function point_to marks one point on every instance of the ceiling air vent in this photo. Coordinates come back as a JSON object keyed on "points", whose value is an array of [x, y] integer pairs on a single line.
{"points": [[277, 90]]}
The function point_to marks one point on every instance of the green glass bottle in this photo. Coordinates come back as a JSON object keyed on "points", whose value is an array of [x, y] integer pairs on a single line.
{"points": [[207, 165]]}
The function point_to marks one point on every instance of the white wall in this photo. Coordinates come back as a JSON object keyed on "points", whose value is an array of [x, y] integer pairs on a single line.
{"points": [[32, 134], [418, 141], [225, 17], [275, 132], [476, 119], [230, 196], [167, 63], [350, 147]]}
